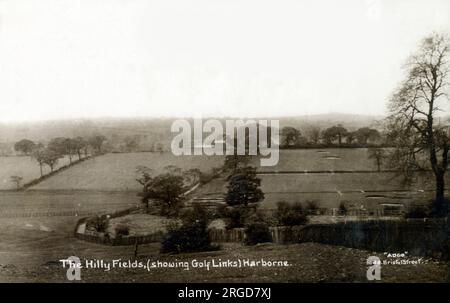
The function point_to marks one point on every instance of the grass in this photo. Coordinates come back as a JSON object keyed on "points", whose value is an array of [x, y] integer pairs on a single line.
{"points": [[140, 224], [23, 166], [117, 172], [324, 159], [30, 202], [367, 189]]}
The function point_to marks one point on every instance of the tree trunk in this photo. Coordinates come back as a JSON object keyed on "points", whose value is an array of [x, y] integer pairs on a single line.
{"points": [[440, 185], [136, 247]]}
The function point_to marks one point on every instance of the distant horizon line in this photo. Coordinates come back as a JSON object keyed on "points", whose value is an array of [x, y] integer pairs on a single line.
{"points": [[163, 117]]}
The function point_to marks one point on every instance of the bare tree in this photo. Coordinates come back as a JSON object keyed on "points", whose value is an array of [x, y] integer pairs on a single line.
{"points": [[420, 142], [39, 154], [378, 155]]}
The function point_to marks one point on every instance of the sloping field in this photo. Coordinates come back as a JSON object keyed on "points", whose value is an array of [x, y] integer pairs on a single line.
{"points": [[25, 167], [366, 189], [356, 189], [348, 159], [117, 172]]}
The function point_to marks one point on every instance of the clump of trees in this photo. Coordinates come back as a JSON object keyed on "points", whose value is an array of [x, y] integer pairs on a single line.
{"points": [[331, 134], [421, 140], [290, 136], [336, 135], [58, 148], [244, 187], [166, 190]]}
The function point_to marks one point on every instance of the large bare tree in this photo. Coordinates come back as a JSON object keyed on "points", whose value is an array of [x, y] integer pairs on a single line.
{"points": [[415, 123]]}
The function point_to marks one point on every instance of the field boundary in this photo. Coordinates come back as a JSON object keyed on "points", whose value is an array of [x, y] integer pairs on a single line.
{"points": [[56, 171], [102, 238], [429, 237]]}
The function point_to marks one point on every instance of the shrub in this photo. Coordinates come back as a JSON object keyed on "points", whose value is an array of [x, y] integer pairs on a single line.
{"points": [[237, 216], [257, 233], [122, 230], [312, 207], [417, 212], [99, 224], [260, 217], [293, 218], [220, 212], [343, 209], [197, 214], [282, 206], [290, 215], [439, 208], [298, 207], [192, 237], [434, 209]]}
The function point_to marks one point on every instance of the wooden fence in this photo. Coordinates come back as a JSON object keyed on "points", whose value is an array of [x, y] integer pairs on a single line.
{"points": [[430, 237]]}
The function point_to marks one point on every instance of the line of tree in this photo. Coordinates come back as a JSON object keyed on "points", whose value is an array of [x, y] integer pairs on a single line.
{"points": [[336, 135], [58, 148]]}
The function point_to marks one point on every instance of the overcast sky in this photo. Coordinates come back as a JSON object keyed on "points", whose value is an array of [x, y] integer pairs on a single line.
{"points": [[91, 58]]}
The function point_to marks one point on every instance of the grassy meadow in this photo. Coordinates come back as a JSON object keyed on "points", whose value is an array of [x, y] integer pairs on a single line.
{"points": [[117, 172], [23, 166]]}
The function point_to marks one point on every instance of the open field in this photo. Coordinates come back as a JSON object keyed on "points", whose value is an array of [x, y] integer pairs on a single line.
{"points": [[56, 203], [356, 189], [117, 172], [347, 159], [23, 166]]}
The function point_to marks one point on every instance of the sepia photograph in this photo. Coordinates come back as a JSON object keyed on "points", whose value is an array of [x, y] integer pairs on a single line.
{"points": [[213, 141]]}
